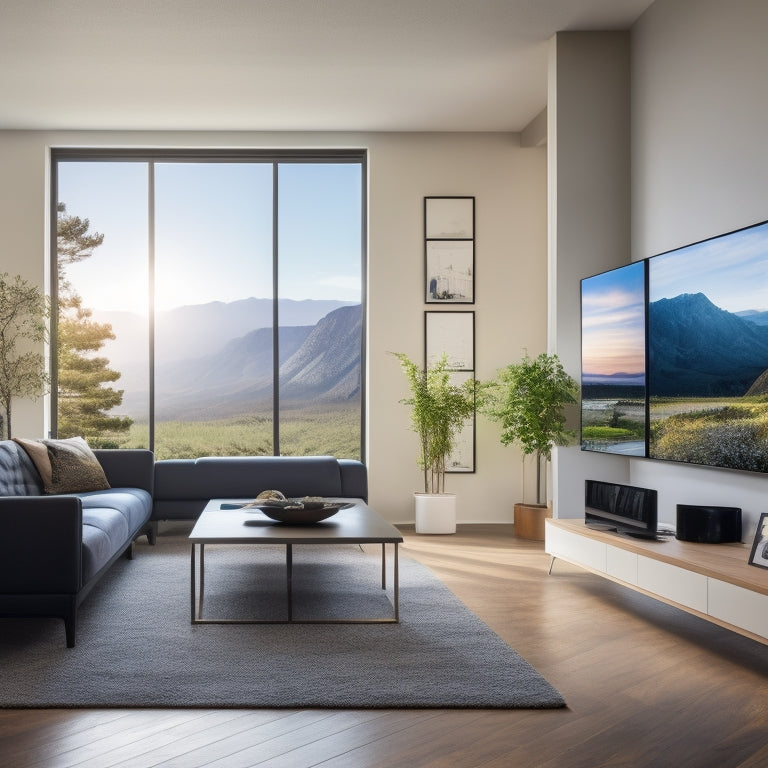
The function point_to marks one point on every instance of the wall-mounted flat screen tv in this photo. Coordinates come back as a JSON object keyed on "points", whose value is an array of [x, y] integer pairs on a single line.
{"points": [[705, 354], [613, 396], [708, 352]]}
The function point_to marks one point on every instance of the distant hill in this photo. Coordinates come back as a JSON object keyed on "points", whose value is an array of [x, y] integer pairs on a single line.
{"points": [[203, 329], [754, 316], [760, 385], [317, 362], [697, 349]]}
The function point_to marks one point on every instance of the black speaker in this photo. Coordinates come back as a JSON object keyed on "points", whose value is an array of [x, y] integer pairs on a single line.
{"points": [[708, 525]]}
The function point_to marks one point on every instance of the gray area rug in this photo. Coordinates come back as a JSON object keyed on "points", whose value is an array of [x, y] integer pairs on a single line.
{"points": [[137, 648]]}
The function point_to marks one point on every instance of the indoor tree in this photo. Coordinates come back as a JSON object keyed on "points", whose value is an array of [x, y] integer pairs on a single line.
{"points": [[439, 410], [24, 313], [528, 400]]}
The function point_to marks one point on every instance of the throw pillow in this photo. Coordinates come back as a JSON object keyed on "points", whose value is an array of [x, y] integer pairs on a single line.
{"points": [[39, 455], [74, 467]]}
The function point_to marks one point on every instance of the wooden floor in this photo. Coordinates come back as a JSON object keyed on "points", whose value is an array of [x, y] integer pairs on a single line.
{"points": [[646, 685]]}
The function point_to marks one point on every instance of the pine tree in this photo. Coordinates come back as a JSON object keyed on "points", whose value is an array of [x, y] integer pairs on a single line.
{"points": [[83, 400]]}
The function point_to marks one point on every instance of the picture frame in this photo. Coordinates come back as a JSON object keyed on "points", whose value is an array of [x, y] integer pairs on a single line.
{"points": [[449, 218], [449, 271], [759, 554], [462, 459], [452, 333]]}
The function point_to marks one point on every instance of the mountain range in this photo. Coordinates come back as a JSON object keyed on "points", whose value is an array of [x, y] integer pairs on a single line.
{"points": [[215, 360], [697, 349]]}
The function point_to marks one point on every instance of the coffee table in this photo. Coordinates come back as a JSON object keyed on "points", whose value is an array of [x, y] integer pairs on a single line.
{"points": [[357, 524]]}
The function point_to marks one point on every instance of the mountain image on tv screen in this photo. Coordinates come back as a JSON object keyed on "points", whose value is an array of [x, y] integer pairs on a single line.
{"points": [[613, 398], [708, 352]]}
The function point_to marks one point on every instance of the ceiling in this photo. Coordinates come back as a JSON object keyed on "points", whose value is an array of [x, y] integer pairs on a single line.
{"points": [[285, 65]]}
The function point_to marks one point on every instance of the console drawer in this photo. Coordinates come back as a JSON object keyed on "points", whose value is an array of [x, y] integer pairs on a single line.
{"points": [[676, 584]]}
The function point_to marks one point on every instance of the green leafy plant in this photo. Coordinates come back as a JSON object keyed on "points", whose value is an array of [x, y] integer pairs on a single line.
{"points": [[24, 313], [439, 409], [528, 400]]}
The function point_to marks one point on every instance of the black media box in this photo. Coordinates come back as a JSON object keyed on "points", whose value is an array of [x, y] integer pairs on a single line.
{"points": [[708, 525]]}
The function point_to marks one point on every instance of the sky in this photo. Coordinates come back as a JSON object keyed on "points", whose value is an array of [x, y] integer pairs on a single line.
{"points": [[213, 231], [613, 321], [731, 270]]}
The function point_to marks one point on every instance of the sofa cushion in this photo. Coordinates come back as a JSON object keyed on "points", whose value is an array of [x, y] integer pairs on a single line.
{"points": [[74, 467], [18, 475], [246, 477], [110, 520], [134, 504]]}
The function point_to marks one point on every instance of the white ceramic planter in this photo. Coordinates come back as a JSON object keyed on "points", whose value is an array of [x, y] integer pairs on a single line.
{"points": [[435, 512]]}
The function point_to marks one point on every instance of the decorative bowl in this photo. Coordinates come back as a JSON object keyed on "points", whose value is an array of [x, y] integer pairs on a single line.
{"points": [[298, 513]]}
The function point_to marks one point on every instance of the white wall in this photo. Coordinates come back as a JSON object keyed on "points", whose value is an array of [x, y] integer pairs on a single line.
{"points": [[700, 168], [589, 210], [509, 184]]}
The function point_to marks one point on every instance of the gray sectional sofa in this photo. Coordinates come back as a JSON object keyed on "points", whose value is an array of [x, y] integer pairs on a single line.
{"points": [[183, 487], [54, 548]]}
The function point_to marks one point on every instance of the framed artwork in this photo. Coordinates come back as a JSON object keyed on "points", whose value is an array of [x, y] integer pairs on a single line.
{"points": [[449, 218], [453, 334], [759, 554], [449, 271], [462, 458]]}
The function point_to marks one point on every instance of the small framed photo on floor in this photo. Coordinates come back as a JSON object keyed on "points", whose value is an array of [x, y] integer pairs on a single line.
{"points": [[759, 554]]}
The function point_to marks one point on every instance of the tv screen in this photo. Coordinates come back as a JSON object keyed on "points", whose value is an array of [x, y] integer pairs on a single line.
{"points": [[624, 508], [708, 352], [613, 399], [692, 385]]}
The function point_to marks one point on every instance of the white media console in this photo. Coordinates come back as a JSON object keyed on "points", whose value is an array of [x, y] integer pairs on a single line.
{"points": [[712, 581]]}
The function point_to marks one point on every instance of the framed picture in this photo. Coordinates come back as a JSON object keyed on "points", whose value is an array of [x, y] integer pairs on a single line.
{"points": [[453, 334], [462, 458], [759, 554], [449, 218], [450, 271]]}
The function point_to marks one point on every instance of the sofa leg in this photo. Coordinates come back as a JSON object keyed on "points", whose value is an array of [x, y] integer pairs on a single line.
{"points": [[70, 624], [130, 551], [151, 532]]}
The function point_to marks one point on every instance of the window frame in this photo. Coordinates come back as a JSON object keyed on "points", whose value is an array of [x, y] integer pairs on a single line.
{"points": [[152, 157]]}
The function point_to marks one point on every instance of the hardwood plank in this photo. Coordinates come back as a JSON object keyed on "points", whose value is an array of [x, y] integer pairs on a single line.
{"points": [[646, 685]]}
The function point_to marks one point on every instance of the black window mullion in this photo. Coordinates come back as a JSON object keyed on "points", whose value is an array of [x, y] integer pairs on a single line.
{"points": [[54, 315], [275, 317], [151, 296]]}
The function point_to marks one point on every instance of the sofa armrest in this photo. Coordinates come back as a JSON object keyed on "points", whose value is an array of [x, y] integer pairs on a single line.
{"points": [[40, 544], [128, 467], [354, 479]]}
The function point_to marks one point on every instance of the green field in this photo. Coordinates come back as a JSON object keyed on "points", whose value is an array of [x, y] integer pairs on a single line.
{"points": [[606, 423], [723, 432], [310, 431]]}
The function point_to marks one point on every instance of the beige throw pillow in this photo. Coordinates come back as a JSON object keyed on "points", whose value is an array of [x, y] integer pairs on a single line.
{"points": [[74, 467], [39, 455]]}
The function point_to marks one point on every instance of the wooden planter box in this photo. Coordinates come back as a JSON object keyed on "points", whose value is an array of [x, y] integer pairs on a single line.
{"points": [[529, 520]]}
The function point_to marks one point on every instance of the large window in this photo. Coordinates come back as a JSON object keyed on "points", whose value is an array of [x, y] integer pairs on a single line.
{"points": [[209, 304]]}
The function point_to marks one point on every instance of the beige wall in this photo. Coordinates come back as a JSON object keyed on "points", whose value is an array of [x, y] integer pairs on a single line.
{"points": [[509, 184]]}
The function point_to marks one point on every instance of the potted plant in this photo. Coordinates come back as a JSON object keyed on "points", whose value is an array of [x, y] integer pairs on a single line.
{"points": [[528, 399], [439, 409]]}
